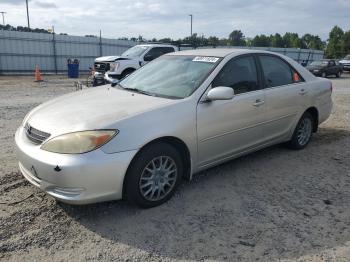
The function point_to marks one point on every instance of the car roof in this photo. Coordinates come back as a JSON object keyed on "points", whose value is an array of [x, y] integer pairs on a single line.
{"points": [[157, 45], [219, 52]]}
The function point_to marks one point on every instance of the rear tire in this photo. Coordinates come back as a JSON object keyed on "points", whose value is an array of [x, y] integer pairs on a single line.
{"points": [[338, 74], [153, 175], [302, 133]]}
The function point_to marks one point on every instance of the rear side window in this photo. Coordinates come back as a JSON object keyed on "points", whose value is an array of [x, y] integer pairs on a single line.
{"points": [[156, 52], [277, 72], [166, 50], [240, 74]]}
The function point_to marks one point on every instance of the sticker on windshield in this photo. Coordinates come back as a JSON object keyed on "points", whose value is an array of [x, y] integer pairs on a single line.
{"points": [[207, 59]]}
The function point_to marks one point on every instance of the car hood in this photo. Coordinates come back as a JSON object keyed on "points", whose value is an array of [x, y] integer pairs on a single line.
{"points": [[94, 108], [111, 58], [310, 67], [344, 61]]}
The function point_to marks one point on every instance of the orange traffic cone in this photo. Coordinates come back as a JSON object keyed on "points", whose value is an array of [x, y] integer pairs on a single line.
{"points": [[37, 74]]}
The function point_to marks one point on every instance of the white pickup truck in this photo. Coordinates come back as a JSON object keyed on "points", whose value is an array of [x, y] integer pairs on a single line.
{"points": [[117, 67]]}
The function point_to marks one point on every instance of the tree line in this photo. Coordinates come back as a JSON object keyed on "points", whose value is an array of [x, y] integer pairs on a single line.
{"points": [[337, 45]]}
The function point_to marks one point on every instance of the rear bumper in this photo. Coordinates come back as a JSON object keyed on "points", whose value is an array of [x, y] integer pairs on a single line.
{"points": [[325, 111], [80, 179]]}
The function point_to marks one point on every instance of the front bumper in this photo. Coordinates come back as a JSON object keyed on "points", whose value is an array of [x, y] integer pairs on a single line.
{"points": [[346, 67], [80, 178], [113, 75]]}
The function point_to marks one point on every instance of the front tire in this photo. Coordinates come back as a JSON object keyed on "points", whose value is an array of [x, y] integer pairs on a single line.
{"points": [[154, 175], [302, 133], [126, 73]]}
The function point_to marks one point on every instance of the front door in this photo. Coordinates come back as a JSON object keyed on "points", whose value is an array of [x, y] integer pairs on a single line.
{"points": [[228, 127]]}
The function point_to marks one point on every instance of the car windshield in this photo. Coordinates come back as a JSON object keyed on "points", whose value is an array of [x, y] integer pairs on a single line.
{"points": [[171, 76], [347, 57], [319, 63], [135, 51]]}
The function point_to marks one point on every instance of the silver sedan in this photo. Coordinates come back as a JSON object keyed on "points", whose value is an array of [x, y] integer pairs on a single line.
{"points": [[180, 114]]}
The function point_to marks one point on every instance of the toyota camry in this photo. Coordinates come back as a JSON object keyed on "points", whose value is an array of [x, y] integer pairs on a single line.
{"points": [[181, 113]]}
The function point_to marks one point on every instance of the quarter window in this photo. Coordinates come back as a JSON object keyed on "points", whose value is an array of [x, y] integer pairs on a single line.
{"points": [[277, 72], [239, 74]]}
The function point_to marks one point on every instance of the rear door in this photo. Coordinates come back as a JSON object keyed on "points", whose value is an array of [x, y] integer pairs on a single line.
{"points": [[228, 127], [285, 95]]}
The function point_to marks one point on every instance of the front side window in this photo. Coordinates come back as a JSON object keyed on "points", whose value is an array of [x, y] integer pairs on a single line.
{"points": [[239, 74], [171, 76], [277, 72]]}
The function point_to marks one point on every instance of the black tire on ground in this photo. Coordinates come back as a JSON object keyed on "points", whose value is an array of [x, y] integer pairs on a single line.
{"points": [[324, 75], [338, 74], [138, 165], [126, 72], [297, 142]]}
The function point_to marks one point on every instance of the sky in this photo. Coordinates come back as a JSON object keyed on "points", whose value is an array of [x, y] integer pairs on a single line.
{"points": [[170, 18]]}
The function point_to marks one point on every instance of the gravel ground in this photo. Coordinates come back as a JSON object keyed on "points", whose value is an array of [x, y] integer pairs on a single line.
{"points": [[273, 205]]}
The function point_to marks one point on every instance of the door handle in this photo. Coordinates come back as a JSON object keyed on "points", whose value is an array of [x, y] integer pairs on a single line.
{"points": [[302, 92], [258, 102]]}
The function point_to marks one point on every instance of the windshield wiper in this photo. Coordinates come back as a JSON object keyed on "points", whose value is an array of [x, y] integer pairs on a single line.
{"points": [[137, 90]]}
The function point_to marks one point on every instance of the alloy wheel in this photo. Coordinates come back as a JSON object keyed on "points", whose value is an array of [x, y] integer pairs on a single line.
{"points": [[304, 131], [158, 178]]}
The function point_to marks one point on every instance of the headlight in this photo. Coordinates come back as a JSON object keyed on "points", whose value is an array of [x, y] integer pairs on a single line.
{"points": [[79, 142], [113, 66]]}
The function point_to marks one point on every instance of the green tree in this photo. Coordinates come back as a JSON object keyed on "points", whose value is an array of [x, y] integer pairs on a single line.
{"points": [[292, 40], [236, 38], [335, 43], [312, 42], [346, 43], [213, 41], [261, 41], [276, 40]]}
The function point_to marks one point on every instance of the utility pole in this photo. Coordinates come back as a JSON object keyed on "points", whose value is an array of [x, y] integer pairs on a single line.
{"points": [[191, 23], [3, 17], [100, 43], [54, 49], [27, 14]]}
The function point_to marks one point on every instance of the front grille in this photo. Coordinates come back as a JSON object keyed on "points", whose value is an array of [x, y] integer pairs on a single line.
{"points": [[101, 67], [35, 135]]}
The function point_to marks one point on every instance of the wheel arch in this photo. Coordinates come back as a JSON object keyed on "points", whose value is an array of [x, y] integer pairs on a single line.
{"points": [[129, 68], [314, 112], [178, 144]]}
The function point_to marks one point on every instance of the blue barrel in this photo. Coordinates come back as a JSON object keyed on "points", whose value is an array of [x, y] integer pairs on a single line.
{"points": [[73, 68]]}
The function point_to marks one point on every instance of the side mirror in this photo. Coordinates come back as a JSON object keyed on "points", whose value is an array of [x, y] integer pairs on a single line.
{"points": [[148, 57], [220, 93]]}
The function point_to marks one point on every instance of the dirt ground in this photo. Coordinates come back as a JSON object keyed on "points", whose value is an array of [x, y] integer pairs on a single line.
{"points": [[273, 205]]}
